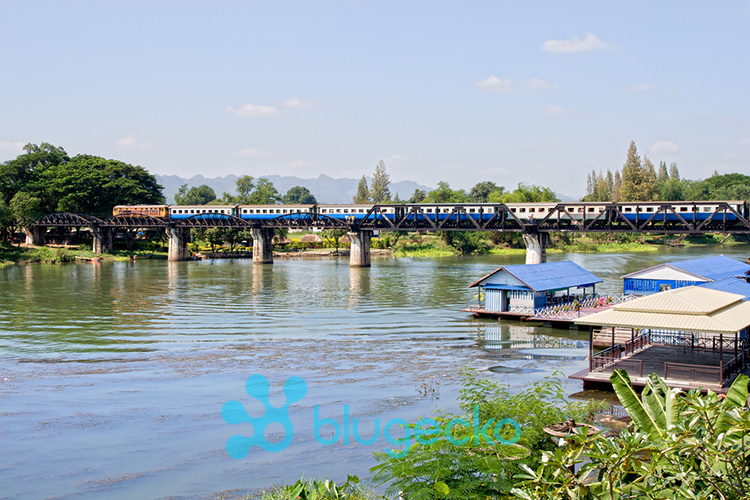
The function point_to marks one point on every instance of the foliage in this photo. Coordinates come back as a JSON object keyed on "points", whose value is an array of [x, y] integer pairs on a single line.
{"points": [[200, 195], [23, 172], [444, 194], [363, 192], [527, 193], [253, 192], [25, 209], [321, 490], [418, 196], [467, 242], [6, 221], [265, 193], [298, 195], [333, 236], [440, 467], [380, 190], [681, 446], [482, 191]]}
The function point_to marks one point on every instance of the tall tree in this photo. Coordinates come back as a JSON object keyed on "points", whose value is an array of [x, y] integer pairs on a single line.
{"points": [[674, 173], [363, 192], [197, 195], [245, 188], [616, 187], [298, 195], [632, 176], [24, 172], [25, 209], [444, 194], [649, 180], [380, 190]]}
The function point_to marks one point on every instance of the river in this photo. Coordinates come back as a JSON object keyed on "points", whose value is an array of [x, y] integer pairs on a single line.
{"points": [[113, 376]]}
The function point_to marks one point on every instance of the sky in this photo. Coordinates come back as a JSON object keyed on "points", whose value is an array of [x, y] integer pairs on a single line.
{"points": [[541, 92]]}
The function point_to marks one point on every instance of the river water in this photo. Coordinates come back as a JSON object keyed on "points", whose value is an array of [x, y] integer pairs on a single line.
{"points": [[113, 376]]}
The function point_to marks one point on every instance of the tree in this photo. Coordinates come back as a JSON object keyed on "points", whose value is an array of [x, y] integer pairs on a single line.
{"points": [[25, 209], [617, 187], [265, 193], [298, 195], [23, 173], [6, 220], [245, 187], [634, 187], [200, 195], [529, 193], [363, 192], [333, 236], [418, 196], [481, 192], [674, 173], [649, 180], [380, 188], [444, 194]]}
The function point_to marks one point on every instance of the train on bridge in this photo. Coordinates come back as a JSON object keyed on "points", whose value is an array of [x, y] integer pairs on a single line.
{"points": [[695, 211]]}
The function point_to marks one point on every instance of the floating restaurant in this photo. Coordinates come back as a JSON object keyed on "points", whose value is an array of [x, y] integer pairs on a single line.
{"points": [[520, 290], [671, 275], [705, 330]]}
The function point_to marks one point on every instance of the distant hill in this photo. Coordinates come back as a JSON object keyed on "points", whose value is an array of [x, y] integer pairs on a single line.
{"points": [[325, 189]]}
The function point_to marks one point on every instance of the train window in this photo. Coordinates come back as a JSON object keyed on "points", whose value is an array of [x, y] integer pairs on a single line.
{"points": [[580, 209], [361, 210], [192, 211], [650, 209], [627, 209], [471, 210], [513, 210], [532, 209], [265, 211], [429, 210], [346, 210], [591, 209], [707, 209], [541, 209], [683, 209], [522, 210], [571, 209]]}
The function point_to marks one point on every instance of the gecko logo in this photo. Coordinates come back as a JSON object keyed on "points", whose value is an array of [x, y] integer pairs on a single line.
{"points": [[257, 387]]}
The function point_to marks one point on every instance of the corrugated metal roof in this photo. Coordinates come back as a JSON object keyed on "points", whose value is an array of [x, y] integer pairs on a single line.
{"points": [[550, 275], [693, 309], [713, 268], [686, 300], [731, 285]]}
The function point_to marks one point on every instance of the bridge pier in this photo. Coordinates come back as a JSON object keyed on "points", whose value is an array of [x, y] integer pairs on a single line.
{"points": [[35, 235], [263, 245], [359, 254], [178, 243], [102, 239], [536, 247]]}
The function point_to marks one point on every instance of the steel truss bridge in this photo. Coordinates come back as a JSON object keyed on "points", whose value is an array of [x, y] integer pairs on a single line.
{"points": [[632, 217]]}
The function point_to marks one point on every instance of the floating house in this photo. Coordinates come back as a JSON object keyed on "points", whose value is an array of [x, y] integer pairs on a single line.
{"points": [[521, 289], [693, 337], [671, 275]]}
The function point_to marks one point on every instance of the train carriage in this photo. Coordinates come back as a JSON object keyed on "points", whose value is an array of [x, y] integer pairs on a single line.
{"points": [[178, 212]]}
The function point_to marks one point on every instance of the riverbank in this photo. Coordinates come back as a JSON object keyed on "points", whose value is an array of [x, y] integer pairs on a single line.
{"points": [[26, 254]]}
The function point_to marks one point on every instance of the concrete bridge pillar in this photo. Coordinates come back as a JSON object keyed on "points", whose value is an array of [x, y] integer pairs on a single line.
{"points": [[178, 243], [102, 239], [35, 235], [536, 247], [359, 255], [262, 245]]}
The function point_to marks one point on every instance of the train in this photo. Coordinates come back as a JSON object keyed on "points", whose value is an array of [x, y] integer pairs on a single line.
{"points": [[527, 212]]}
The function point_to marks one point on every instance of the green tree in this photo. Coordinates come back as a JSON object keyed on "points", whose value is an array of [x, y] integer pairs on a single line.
{"points": [[481, 192], [529, 193], [6, 221], [674, 173], [197, 195], [298, 195], [616, 187], [363, 192], [24, 172], [245, 188], [25, 209], [333, 236], [444, 194], [265, 193], [418, 196], [380, 190], [635, 186]]}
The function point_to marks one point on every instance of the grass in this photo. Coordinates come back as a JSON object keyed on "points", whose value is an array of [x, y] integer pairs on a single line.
{"points": [[10, 254]]}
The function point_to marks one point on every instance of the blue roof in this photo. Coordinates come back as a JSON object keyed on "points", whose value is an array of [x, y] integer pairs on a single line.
{"points": [[713, 268], [552, 275], [732, 285]]}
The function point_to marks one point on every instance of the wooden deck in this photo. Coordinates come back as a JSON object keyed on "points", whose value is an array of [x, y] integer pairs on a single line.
{"points": [[654, 359]]}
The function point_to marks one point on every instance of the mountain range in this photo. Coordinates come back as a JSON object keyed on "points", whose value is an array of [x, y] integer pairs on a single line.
{"points": [[325, 189]]}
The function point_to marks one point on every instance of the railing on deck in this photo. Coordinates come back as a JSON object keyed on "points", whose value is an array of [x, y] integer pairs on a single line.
{"points": [[613, 355], [700, 373], [567, 311]]}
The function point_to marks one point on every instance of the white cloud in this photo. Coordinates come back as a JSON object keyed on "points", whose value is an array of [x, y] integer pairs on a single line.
{"points": [[250, 152], [297, 103], [495, 84], [664, 147], [396, 158], [15, 148], [537, 83], [131, 142], [555, 110], [253, 111], [641, 87], [575, 44]]}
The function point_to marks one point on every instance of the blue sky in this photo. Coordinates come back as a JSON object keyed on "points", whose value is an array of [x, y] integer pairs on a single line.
{"points": [[508, 91]]}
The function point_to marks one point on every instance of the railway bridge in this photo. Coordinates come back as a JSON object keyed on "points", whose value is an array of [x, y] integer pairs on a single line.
{"points": [[533, 222]]}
